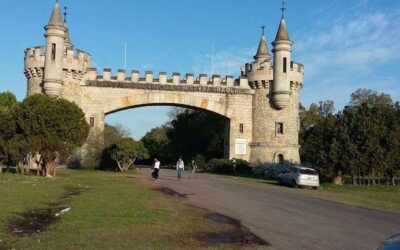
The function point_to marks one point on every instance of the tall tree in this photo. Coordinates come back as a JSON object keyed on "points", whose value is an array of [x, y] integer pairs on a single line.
{"points": [[156, 141], [51, 127], [7, 126], [195, 132]]}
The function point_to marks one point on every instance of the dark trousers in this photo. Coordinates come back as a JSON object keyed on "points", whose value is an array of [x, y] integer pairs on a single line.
{"points": [[155, 173]]}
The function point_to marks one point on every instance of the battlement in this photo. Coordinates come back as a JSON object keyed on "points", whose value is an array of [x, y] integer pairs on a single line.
{"points": [[162, 78], [257, 66], [75, 62]]}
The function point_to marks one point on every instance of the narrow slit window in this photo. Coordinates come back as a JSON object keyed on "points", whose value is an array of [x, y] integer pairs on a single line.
{"points": [[279, 128], [284, 64], [53, 51], [241, 128], [92, 122], [291, 64]]}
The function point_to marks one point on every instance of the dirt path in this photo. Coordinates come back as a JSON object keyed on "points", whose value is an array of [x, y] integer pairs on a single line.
{"points": [[284, 218]]}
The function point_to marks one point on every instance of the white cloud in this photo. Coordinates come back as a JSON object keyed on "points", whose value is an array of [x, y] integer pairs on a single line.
{"points": [[349, 55]]}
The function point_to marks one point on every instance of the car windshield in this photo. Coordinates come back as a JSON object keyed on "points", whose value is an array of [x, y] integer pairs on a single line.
{"points": [[308, 171]]}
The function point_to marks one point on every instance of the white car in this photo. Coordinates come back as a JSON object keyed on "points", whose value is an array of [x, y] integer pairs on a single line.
{"points": [[296, 176]]}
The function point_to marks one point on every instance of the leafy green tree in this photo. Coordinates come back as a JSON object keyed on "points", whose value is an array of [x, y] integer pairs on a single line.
{"points": [[125, 152], [156, 142], [7, 126], [51, 127], [195, 132], [97, 141]]}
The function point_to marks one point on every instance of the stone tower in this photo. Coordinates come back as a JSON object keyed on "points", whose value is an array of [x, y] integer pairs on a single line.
{"points": [[53, 65], [56, 69], [276, 100]]}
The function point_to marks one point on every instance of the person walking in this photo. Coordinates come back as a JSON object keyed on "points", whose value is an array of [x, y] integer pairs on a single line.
{"points": [[194, 168], [180, 167], [156, 169]]}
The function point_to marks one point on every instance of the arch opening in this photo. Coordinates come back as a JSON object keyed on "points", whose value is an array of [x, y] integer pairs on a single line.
{"points": [[210, 139]]}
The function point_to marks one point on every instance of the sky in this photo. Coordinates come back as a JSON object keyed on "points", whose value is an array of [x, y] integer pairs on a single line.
{"points": [[344, 45]]}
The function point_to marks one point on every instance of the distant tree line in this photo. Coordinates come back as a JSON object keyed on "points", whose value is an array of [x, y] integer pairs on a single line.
{"points": [[361, 141]]}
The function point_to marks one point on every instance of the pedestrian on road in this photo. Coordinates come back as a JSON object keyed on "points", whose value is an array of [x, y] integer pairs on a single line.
{"points": [[194, 168], [156, 169], [180, 167]]}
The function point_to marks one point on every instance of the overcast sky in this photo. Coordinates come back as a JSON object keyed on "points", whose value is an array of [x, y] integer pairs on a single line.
{"points": [[344, 45]]}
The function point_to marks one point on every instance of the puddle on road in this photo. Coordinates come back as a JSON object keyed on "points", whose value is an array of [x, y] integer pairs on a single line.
{"points": [[171, 192], [38, 220], [239, 234]]}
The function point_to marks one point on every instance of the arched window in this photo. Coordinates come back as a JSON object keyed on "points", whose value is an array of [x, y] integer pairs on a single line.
{"points": [[280, 158]]}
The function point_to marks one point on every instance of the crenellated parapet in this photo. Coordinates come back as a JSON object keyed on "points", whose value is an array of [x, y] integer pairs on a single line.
{"points": [[163, 79]]}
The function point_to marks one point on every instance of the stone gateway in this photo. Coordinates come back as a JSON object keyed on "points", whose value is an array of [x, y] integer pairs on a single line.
{"points": [[260, 107]]}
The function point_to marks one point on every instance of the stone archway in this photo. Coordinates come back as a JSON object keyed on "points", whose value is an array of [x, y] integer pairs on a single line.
{"points": [[97, 102]]}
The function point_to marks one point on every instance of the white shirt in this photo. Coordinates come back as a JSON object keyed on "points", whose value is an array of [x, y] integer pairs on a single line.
{"points": [[157, 164], [180, 164]]}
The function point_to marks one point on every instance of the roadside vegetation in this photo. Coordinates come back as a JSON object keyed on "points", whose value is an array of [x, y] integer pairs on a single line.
{"points": [[361, 141]]}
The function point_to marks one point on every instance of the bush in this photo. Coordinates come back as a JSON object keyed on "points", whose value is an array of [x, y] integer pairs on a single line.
{"points": [[201, 163], [74, 161], [243, 167], [271, 170], [222, 166], [225, 166]]}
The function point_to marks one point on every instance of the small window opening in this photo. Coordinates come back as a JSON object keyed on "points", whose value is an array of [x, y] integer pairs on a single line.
{"points": [[291, 64], [280, 158], [241, 128], [284, 64], [91, 121], [53, 51], [279, 128]]}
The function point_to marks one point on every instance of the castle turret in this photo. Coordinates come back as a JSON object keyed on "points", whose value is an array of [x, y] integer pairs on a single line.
{"points": [[282, 49], [262, 51], [55, 41]]}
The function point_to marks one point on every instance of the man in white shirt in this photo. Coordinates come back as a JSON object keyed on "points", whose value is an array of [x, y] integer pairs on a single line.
{"points": [[156, 169], [180, 167]]}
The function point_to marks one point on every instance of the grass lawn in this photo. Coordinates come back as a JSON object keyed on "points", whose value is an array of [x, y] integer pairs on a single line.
{"points": [[382, 197], [116, 211]]}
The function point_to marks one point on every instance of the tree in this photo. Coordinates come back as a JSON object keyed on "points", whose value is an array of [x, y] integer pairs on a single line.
{"points": [[50, 127], [125, 152], [195, 132], [98, 141], [7, 126], [370, 97], [156, 142]]}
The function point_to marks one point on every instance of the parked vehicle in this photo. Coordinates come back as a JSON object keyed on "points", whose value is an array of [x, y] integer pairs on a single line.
{"points": [[296, 176], [391, 243]]}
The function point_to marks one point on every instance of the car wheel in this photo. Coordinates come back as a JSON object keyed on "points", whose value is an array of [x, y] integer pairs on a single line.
{"points": [[315, 188], [294, 184]]}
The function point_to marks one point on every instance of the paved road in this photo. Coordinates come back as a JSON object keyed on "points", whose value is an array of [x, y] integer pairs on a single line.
{"points": [[284, 217]]}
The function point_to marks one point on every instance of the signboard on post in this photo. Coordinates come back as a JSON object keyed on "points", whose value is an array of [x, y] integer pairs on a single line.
{"points": [[240, 146]]}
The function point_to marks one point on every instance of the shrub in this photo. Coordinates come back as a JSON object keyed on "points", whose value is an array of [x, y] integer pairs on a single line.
{"points": [[220, 166], [243, 167], [225, 166], [271, 170], [201, 163]]}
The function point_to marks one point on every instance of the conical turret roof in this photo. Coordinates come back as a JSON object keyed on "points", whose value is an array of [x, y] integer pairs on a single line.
{"points": [[68, 42], [55, 18], [262, 51], [282, 31]]}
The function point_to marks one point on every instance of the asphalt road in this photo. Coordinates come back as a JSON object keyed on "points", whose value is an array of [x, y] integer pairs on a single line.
{"points": [[284, 217]]}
